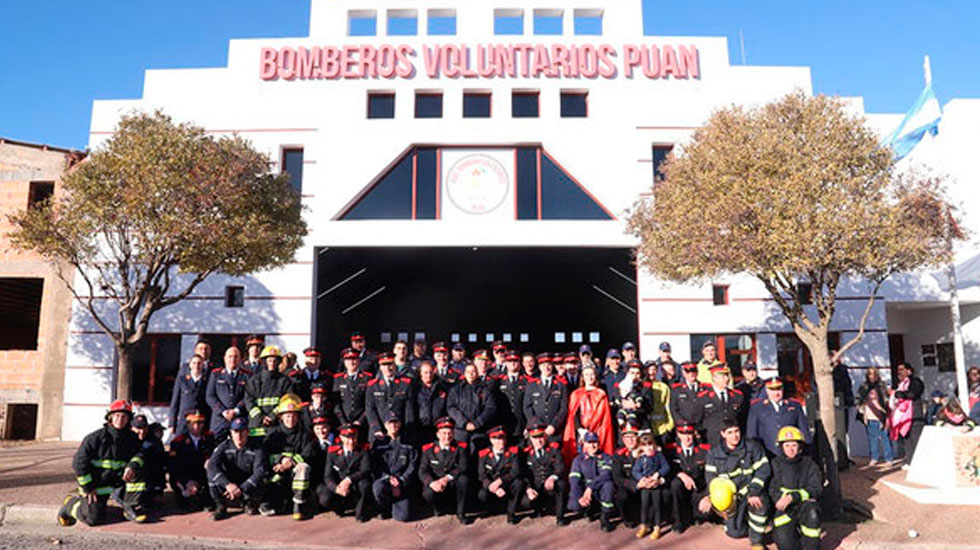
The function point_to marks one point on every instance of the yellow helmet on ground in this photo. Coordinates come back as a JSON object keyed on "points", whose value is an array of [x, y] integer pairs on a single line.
{"points": [[289, 403], [789, 433], [270, 351], [721, 492]]}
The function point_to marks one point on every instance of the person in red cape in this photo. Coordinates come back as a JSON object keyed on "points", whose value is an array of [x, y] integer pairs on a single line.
{"points": [[588, 411]]}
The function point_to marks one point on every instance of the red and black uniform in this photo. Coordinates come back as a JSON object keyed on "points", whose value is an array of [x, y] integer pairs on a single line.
{"points": [[541, 465], [684, 501], [349, 392], [506, 467], [683, 402], [438, 462], [386, 396], [627, 495], [713, 407], [546, 401], [186, 463], [510, 390], [342, 464], [430, 405]]}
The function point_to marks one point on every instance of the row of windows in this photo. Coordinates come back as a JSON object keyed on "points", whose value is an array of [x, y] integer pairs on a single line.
{"points": [[405, 22], [804, 294], [524, 104]]}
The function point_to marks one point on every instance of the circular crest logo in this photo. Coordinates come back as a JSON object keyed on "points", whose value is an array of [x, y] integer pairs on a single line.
{"points": [[477, 184]]}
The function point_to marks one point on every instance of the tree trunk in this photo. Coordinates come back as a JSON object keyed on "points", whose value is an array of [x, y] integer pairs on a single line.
{"points": [[124, 370], [823, 375]]}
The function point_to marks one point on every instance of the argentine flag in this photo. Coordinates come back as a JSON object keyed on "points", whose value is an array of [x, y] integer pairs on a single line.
{"points": [[922, 118]]}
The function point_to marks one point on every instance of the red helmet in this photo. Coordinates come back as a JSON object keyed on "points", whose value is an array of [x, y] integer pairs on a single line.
{"points": [[120, 405]]}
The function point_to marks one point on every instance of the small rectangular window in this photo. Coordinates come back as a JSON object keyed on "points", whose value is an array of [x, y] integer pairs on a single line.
{"points": [[385, 338], [524, 338], [524, 104], [20, 312], [39, 192], [507, 337], [403, 22], [362, 23], [476, 104], [576, 337], [471, 337], [588, 22], [804, 293], [454, 337], [574, 104], [234, 296], [442, 22], [719, 295], [508, 21], [381, 105], [548, 21], [292, 164], [489, 337], [428, 105], [403, 336], [593, 337], [419, 336], [559, 337], [660, 153]]}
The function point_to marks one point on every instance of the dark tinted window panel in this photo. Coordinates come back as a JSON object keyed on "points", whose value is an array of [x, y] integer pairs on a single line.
{"points": [[563, 199], [425, 187], [428, 106], [476, 105], [390, 198], [20, 312], [574, 105], [39, 192], [292, 164], [527, 183], [524, 104], [719, 295], [660, 153], [381, 105], [155, 366]]}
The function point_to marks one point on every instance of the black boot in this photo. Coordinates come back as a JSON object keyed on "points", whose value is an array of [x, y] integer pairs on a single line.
{"points": [[605, 523], [65, 519], [220, 513]]}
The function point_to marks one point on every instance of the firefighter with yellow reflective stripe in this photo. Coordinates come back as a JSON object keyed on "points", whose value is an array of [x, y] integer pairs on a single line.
{"points": [[263, 391], [108, 463], [289, 446], [743, 462], [795, 488]]}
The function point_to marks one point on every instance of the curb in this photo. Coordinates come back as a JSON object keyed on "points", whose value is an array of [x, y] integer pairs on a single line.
{"points": [[23, 514]]}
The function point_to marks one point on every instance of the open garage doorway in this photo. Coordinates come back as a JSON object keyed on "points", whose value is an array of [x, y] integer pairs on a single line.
{"points": [[532, 298]]}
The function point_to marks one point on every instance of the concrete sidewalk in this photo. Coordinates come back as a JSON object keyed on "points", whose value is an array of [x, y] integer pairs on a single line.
{"points": [[34, 478]]}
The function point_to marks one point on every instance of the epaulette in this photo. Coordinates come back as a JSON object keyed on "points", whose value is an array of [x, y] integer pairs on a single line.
{"points": [[554, 445], [733, 390], [179, 439], [461, 444], [678, 385], [374, 381], [485, 452], [513, 449], [216, 370], [797, 400], [533, 379], [647, 384], [704, 393], [335, 449], [704, 447], [428, 446], [622, 451], [561, 379], [672, 446], [364, 446], [759, 400]]}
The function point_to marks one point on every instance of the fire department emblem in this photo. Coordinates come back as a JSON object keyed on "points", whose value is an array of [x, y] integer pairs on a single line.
{"points": [[477, 184]]}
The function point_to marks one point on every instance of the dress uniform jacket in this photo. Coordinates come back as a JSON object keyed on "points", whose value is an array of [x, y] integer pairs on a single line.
{"points": [[765, 420], [392, 458], [186, 459], [627, 495], [511, 392], [550, 463], [547, 404], [430, 405], [683, 402], [356, 466], [711, 411], [506, 468], [349, 392], [474, 403], [245, 467], [226, 390], [692, 465], [303, 380], [685, 501], [188, 395], [262, 393], [437, 463], [384, 397], [752, 391], [452, 374]]}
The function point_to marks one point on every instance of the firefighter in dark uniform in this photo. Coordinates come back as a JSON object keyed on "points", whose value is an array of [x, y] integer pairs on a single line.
{"points": [[590, 482], [457, 360], [448, 373], [687, 487], [225, 394], [768, 416], [795, 489], [751, 385], [684, 395], [717, 403], [386, 393], [237, 471], [189, 394], [499, 472], [484, 364], [545, 474], [430, 404], [420, 352], [395, 464], [108, 462], [472, 405], [154, 470], [511, 385], [627, 494], [253, 364], [349, 389], [263, 392], [188, 453], [365, 357], [290, 446], [325, 438], [546, 399], [303, 379], [737, 471], [443, 472], [347, 476], [499, 350]]}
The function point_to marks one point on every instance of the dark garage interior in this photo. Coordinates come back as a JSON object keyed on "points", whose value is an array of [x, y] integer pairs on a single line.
{"points": [[536, 299]]}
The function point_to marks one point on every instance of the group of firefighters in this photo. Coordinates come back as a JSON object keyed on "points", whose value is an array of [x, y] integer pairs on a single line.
{"points": [[496, 432]]}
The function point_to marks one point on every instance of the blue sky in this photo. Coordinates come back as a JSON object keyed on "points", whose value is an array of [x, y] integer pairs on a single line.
{"points": [[58, 55]]}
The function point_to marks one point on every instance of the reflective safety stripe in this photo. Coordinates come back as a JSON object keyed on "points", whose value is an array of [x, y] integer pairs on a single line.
{"points": [[300, 485], [137, 460], [275, 479], [813, 533], [757, 518], [260, 431], [85, 479], [606, 504], [575, 474], [74, 508], [99, 491], [781, 520], [137, 487], [758, 482], [267, 401], [254, 411], [759, 463], [757, 528], [109, 464], [710, 468], [804, 494]]}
